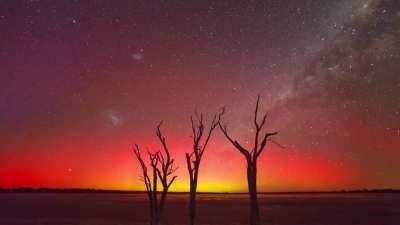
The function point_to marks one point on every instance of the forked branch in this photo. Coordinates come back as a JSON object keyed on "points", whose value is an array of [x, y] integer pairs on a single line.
{"points": [[259, 145]]}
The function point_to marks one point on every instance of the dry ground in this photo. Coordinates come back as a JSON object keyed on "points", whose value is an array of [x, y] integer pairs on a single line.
{"points": [[213, 209]]}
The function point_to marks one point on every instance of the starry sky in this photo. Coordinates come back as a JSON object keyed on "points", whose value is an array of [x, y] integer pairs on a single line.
{"points": [[81, 81]]}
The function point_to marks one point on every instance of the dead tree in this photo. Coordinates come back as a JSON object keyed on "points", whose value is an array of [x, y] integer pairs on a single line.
{"points": [[162, 167], [166, 169], [193, 159], [251, 156], [150, 181]]}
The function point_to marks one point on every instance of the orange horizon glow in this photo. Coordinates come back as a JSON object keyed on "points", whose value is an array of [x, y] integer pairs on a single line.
{"points": [[76, 159], [222, 170]]}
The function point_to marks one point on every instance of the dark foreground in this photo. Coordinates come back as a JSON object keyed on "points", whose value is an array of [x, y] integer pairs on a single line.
{"points": [[131, 209]]}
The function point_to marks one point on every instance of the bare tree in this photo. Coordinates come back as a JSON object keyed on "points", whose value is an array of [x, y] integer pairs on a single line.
{"points": [[251, 156], [193, 159], [167, 167], [162, 168]]}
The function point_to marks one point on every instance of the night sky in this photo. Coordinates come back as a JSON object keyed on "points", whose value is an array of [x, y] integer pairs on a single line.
{"points": [[80, 81]]}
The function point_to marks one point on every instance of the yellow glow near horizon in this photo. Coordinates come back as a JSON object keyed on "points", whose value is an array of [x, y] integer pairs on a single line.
{"points": [[206, 186]]}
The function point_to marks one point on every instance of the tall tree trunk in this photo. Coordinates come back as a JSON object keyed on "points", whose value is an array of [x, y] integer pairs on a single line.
{"points": [[155, 206], [192, 207], [252, 186], [162, 203], [192, 201], [156, 219], [151, 211], [153, 221]]}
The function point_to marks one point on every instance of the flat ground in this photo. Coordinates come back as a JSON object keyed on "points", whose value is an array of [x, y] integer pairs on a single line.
{"points": [[213, 209]]}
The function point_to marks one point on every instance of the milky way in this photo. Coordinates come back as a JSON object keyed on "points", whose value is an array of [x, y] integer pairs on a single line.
{"points": [[81, 81]]}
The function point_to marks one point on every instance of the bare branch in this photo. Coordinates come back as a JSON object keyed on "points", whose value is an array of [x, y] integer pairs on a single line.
{"points": [[172, 180], [277, 143], [213, 125], [264, 142], [162, 139], [256, 112], [239, 147], [189, 164], [263, 120], [145, 176]]}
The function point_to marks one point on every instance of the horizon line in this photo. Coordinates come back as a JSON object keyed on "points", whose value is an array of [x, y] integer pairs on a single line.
{"points": [[100, 190]]}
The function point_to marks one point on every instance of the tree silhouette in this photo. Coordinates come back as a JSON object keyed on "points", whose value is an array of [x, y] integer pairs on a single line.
{"points": [[193, 158], [162, 168], [251, 156]]}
